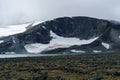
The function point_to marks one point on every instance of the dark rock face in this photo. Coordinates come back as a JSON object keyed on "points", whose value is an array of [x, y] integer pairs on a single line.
{"points": [[80, 27], [83, 28]]}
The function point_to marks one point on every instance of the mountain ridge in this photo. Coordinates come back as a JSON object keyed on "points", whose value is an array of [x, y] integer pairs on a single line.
{"points": [[69, 28]]}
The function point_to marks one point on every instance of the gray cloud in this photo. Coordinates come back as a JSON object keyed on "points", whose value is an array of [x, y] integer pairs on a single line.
{"points": [[21, 11]]}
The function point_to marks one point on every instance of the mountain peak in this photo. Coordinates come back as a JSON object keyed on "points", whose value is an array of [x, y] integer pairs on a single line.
{"points": [[65, 34]]}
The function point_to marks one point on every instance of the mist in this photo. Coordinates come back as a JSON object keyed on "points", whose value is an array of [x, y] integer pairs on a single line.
{"points": [[24, 11]]}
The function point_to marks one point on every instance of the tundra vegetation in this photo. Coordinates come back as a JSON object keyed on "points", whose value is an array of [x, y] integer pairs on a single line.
{"points": [[69, 67]]}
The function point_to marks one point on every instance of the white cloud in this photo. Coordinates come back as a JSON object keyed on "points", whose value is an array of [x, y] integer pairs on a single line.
{"points": [[21, 11]]}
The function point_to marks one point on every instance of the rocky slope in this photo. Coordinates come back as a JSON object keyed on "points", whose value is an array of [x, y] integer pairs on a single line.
{"points": [[65, 35]]}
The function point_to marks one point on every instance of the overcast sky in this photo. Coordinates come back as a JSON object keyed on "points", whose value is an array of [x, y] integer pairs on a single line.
{"points": [[22, 11]]}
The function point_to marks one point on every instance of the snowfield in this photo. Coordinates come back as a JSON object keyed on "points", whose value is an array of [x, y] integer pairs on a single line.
{"points": [[56, 42], [107, 46], [15, 29]]}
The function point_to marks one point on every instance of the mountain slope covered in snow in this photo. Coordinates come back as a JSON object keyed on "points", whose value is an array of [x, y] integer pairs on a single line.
{"points": [[65, 35]]}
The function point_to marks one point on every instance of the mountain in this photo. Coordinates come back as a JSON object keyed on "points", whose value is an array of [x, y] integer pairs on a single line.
{"points": [[65, 35]]}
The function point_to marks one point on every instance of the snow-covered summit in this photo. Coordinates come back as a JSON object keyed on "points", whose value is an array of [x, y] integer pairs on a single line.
{"points": [[15, 29], [12, 29]]}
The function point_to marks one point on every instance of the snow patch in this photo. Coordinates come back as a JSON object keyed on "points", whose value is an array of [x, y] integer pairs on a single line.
{"points": [[1, 41], [76, 51], [107, 46], [96, 51], [36, 48], [44, 27], [9, 52], [56, 42], [13, 39]]}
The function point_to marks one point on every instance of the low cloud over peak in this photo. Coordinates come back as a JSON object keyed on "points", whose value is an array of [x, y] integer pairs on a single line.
{"points": [[22, 11]]}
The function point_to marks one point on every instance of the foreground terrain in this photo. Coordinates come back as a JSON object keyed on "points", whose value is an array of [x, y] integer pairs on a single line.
{"points": [[72, 67]]}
